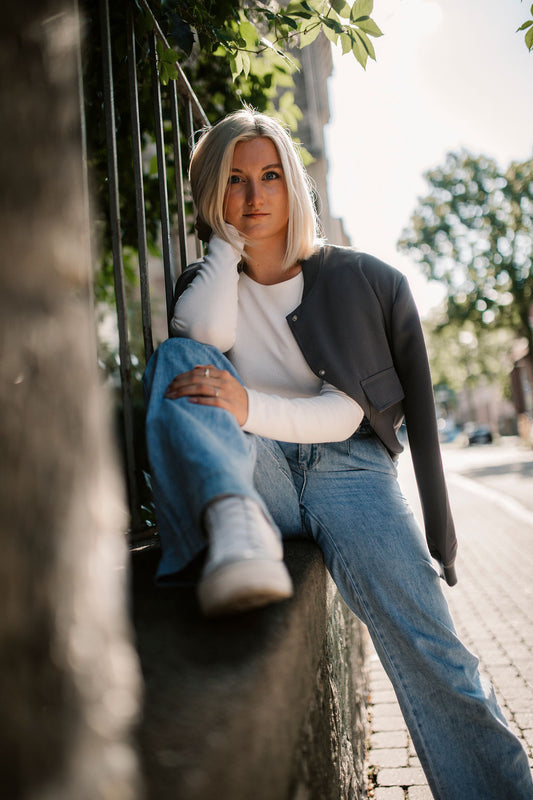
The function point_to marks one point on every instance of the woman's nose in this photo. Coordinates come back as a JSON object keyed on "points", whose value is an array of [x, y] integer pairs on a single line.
{"points": [[254, 194]]}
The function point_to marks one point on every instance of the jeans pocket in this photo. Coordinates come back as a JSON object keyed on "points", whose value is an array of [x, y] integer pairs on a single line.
{"points": [[367, 451]]}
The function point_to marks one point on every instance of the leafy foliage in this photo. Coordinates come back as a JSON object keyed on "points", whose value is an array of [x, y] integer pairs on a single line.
{"points": [[242, 31], [473, 232], [528, 28], [463, 356]]}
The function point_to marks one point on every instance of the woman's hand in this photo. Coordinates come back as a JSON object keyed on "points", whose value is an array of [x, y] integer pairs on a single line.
{"points": [[209, 386], [235, 237]]}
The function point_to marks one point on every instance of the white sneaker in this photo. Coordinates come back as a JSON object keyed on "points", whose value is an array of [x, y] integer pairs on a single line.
{"points": [[244, 567]]}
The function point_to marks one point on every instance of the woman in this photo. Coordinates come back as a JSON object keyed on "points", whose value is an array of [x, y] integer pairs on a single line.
{"points": [[274, 412]]}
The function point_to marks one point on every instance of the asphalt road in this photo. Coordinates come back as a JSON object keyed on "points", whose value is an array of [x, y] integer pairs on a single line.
{"points": [[491, 494]]}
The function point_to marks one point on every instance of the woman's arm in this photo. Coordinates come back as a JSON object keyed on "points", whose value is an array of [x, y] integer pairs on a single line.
{"points": [[331, 416], [207, 309]]}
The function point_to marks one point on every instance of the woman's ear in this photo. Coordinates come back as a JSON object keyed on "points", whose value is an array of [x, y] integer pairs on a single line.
{"points": [[203, 229]]}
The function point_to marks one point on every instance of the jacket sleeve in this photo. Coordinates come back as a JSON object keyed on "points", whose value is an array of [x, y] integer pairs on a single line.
{"points": [[411, 362]]}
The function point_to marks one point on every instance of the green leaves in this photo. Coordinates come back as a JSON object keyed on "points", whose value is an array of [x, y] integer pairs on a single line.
{"points": [[248, 31], [303, 10], [341, 7], [342, 23], [309, 34], [166, 58], [361, 9], [248, 34], [528, 28], [240, 62], [355, 29]]}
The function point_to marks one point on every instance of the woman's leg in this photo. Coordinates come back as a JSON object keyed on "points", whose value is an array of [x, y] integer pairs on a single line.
{"points": [[274, 481], [197, 453], [378, 558]]}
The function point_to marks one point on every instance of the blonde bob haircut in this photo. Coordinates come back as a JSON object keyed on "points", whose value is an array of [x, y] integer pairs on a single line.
{"points": [[210, 171]]}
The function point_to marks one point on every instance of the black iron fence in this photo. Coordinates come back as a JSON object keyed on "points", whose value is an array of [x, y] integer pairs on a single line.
{"points": [[176, 115]]}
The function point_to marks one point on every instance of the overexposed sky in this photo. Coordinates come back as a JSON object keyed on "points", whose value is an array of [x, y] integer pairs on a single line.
{"points": [[449, 74]]}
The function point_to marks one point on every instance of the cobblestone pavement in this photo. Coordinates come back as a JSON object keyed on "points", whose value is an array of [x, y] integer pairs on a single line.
{"points": [[491, 493]]}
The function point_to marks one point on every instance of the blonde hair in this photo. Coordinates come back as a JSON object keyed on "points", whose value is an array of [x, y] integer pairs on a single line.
{"points": [[210, 169]]}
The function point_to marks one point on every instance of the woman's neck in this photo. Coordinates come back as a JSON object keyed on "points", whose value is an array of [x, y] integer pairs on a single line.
{"points": [[263, 265]]}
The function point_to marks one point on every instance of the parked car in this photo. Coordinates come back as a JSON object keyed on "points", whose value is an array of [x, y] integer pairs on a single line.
{"points": [[448, 430], [481, 434]]}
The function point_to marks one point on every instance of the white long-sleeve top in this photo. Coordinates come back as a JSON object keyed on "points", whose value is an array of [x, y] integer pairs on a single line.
{"points": [[246, 320]]}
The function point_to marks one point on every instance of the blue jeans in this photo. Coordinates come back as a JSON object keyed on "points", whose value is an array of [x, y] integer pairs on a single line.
{"points": [[345, 497]]}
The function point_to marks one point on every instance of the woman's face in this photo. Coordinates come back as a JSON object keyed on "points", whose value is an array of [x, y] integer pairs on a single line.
{"points": [[257, 200]]}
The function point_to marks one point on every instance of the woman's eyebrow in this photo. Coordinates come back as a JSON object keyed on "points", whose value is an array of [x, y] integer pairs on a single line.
{"points": [[268, 166]]}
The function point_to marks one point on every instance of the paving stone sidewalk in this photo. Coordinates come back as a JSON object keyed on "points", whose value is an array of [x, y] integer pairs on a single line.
{"points": [[493, 611]]}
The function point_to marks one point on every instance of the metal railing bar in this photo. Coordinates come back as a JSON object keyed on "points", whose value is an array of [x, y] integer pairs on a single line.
{"points": [[178, 176], [185, 89], [139, 190], [118, 264], [162, 178], [190, 131]]}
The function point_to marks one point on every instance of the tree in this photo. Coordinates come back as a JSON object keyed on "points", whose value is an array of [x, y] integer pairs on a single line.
{"points": [[473, 232], [463, 356]]}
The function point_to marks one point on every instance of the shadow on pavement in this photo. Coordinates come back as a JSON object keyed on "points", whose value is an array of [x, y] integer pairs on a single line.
{"points": [[522, 469]]}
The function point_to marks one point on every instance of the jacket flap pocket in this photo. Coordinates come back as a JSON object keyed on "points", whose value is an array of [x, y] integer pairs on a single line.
{"points": [[383, 389]]}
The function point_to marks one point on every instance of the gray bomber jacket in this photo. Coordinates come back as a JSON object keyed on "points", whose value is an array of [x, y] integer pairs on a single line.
{"points": [[358, 328]]}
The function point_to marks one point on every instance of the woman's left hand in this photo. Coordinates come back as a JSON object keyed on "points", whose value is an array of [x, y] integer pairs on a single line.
{"points": [[209, 386]]}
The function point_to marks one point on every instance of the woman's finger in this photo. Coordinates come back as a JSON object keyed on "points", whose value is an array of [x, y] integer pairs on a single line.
{"points": [[185, 388], [200, 376], [207, 385]]}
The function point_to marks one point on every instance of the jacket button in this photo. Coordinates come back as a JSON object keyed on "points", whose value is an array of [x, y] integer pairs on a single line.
{"points": [[321, 372], [294, 317]]}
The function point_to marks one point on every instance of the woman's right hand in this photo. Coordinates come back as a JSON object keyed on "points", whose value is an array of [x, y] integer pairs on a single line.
{"points": [[206, 385], [236, 238], [234, 235]]}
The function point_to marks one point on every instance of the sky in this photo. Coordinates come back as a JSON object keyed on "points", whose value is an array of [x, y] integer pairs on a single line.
{"points": [[449, 74]]}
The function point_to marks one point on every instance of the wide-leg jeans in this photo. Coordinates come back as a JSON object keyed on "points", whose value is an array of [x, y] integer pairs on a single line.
{"points": [[344, 496]]}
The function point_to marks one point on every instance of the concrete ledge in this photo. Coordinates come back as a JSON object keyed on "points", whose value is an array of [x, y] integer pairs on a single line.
{"points": [[266, 705]]}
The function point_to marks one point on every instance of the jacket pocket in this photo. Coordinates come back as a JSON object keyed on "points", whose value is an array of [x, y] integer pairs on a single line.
{"points": [[383, 389]]}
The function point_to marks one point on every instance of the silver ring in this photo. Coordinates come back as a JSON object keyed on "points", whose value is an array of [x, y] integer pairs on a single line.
{"points": [[216, 392], [206, 372]]}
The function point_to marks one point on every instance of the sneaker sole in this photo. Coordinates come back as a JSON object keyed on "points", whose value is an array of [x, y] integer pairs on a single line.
{"points": [[242, 586]]}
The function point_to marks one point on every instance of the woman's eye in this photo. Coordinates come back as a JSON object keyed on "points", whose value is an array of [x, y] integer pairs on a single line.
{"points": [[234, 179], [271, 175]]}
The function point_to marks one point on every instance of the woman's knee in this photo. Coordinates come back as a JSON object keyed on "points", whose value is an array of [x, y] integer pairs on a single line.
{"points": [[170, 358], [178, 354], [187, 349]]}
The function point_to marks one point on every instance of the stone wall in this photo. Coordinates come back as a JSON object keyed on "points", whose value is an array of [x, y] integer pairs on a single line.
{"points": [[268, 705]]}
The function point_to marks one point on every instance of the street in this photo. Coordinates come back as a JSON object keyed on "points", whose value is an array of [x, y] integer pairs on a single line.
{"points": [[491, 494]]}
